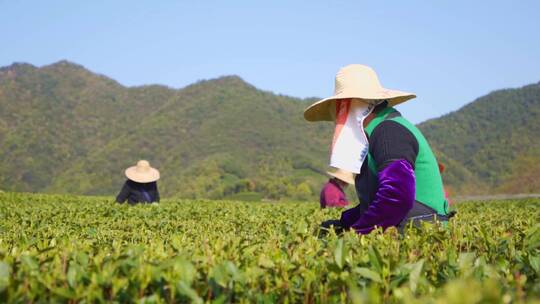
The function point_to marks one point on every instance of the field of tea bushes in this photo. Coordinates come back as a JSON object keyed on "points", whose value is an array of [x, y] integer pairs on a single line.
{"points": [[90, 250]]}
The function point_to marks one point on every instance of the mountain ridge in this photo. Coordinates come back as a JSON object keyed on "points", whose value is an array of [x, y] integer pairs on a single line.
{"points": [[488, 134], [66, 129]]}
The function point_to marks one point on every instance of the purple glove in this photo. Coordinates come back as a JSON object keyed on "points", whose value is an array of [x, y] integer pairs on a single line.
{"points": [[350, 216], [393, 200]]}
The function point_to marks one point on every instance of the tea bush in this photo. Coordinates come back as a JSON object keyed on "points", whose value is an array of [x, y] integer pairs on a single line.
{"points": [[57, 248]]}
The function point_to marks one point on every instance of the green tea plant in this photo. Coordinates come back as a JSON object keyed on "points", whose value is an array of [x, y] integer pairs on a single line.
{"points": [[74, 249]]}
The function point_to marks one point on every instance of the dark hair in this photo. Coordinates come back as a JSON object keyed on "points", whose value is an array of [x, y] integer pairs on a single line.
{"points": [[380, 107]]}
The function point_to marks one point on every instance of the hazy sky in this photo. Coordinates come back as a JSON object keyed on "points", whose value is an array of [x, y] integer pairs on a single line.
{"points": [[447, 52]]}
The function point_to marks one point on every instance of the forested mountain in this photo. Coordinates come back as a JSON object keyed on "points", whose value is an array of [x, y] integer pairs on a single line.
{"points": [[493, 143], [65, 129]]}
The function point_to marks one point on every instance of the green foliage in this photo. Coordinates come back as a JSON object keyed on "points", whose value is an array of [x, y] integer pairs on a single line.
{"points": [[64, 129], [486, 142], [88, 249]]}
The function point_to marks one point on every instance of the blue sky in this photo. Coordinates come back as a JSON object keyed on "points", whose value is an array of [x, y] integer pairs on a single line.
{"points": [[447, 52]]}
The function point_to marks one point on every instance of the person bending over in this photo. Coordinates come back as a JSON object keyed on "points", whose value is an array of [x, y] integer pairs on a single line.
{"points": [[141, 185], [398, 180]]}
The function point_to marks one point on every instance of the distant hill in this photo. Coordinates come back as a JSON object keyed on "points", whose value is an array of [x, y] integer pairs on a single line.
{"points": [[491, 144], [65, 129]]}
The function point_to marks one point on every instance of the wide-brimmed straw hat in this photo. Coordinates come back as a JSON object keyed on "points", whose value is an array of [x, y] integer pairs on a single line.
{"points": [[142, 172], [354, 81], [342, 175]]}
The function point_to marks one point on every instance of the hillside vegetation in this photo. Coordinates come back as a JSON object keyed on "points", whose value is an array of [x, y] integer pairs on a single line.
{"points": [[492, 143], [64, 129]]}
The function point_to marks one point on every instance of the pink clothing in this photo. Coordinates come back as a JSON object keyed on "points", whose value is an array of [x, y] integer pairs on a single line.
{"points": [[332, 195]]}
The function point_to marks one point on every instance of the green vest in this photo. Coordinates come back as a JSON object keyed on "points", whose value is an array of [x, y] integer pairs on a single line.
{"points": [[429, 186]]}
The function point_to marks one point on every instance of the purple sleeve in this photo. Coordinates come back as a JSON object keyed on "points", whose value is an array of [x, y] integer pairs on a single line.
{"points": [[350, 216], [393, 200]]}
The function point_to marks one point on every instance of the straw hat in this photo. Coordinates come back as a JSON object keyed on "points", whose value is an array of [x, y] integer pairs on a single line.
{"points": [[354, 81], [142, 172], [342, 175]]}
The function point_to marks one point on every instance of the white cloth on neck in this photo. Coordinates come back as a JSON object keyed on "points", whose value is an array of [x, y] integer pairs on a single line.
{"points": [[350, 145]]}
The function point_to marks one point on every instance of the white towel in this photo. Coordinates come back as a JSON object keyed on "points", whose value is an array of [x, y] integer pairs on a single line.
{"points": [[350, 145]]}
